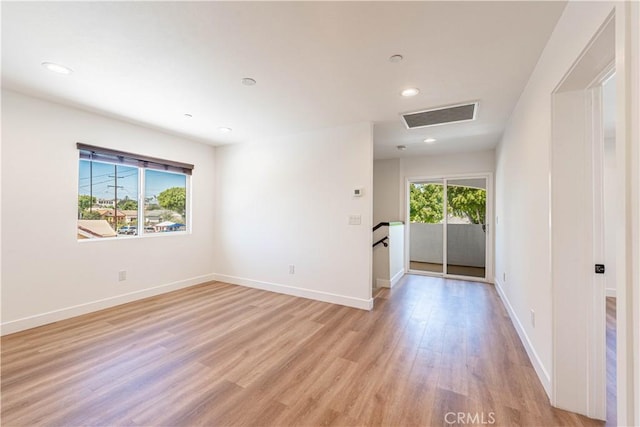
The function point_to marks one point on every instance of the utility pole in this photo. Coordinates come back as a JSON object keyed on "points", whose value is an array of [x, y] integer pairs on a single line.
{"points": [[115, 186]]}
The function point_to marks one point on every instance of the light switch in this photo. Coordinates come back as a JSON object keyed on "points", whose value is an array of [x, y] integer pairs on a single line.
{"points": [[355, 219]]}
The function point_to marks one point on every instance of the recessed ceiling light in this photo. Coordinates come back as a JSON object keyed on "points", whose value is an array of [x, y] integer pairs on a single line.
{"points": [[188, 116], [401, 147], [57, 68], [248, 81], [396, 58], [412, 91], [224, 130], [430, 140]]}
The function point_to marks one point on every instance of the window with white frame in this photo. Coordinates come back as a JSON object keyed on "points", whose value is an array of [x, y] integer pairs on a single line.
{"points": [[124, 195]]}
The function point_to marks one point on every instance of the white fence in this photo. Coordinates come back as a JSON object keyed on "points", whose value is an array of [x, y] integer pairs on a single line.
{"points": [[465, 244]]}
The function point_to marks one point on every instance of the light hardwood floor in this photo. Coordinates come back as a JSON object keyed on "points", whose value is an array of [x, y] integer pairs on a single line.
{"points": [[218, 354]]}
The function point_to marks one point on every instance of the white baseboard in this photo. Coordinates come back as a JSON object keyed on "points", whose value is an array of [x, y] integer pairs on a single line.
{"points": [[542, 373], [396, 277], [364, 304], [80, 309], [383, 283], [610, 292]]}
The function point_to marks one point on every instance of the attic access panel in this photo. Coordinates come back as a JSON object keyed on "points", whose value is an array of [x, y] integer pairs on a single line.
{"points": [[440, 116]]}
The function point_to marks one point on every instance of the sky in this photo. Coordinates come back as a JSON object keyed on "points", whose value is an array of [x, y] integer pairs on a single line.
{"points": [[104, 181]]}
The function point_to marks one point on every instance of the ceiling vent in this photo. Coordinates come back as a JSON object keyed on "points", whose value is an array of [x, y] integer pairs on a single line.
{"points": [[440, 116]]}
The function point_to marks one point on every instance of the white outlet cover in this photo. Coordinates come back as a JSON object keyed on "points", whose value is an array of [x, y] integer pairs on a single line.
{"points": [[355, 219]]}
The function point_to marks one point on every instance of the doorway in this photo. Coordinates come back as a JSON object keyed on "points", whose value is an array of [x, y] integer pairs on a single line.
{"points": [[448, 230], [580, 231]]}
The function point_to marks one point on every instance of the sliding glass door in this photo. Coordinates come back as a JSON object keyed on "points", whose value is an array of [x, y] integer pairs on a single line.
{"points": [[426, 233], [448, 227], [466, 227]]}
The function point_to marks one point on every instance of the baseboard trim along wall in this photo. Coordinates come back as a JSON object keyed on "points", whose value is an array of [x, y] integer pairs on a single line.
{"points": [[383, 283], [396, 278], [90, 307], [542, 373], [363, 304]]}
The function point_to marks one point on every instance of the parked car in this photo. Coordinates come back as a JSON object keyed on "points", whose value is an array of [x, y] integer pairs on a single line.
{"points": [[128, 229]]}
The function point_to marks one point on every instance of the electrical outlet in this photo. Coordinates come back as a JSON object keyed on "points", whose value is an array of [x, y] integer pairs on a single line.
{"points": [[292, 269], [533, 318], [122, 275]]}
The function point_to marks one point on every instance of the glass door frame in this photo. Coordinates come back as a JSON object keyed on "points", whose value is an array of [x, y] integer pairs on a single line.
{"points": [[489, 240]]}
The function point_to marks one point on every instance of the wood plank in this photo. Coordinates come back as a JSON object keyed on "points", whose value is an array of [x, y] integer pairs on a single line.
{"points": [[218, 354]]}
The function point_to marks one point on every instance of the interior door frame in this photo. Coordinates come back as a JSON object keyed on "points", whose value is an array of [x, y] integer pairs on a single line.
{"points": [[489, 240], [578, 305]]}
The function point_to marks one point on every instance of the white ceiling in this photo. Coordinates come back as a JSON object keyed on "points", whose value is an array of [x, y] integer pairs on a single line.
{"points": [[317, 64]]}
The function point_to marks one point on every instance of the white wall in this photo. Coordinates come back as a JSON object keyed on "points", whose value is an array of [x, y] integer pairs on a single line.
{"points": [[386, 208], [628, 237], [396, 253], [381, 266], [287, 201], [386, 197], [522, 187], [47, 274], [450, 164], [632, 241], [388, 261]]}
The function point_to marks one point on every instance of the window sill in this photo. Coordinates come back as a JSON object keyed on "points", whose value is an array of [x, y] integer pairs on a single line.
{"points": [[143, 236]]}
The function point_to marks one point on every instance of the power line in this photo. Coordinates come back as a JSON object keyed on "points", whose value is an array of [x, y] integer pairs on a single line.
{"points": [[108, 174]]}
